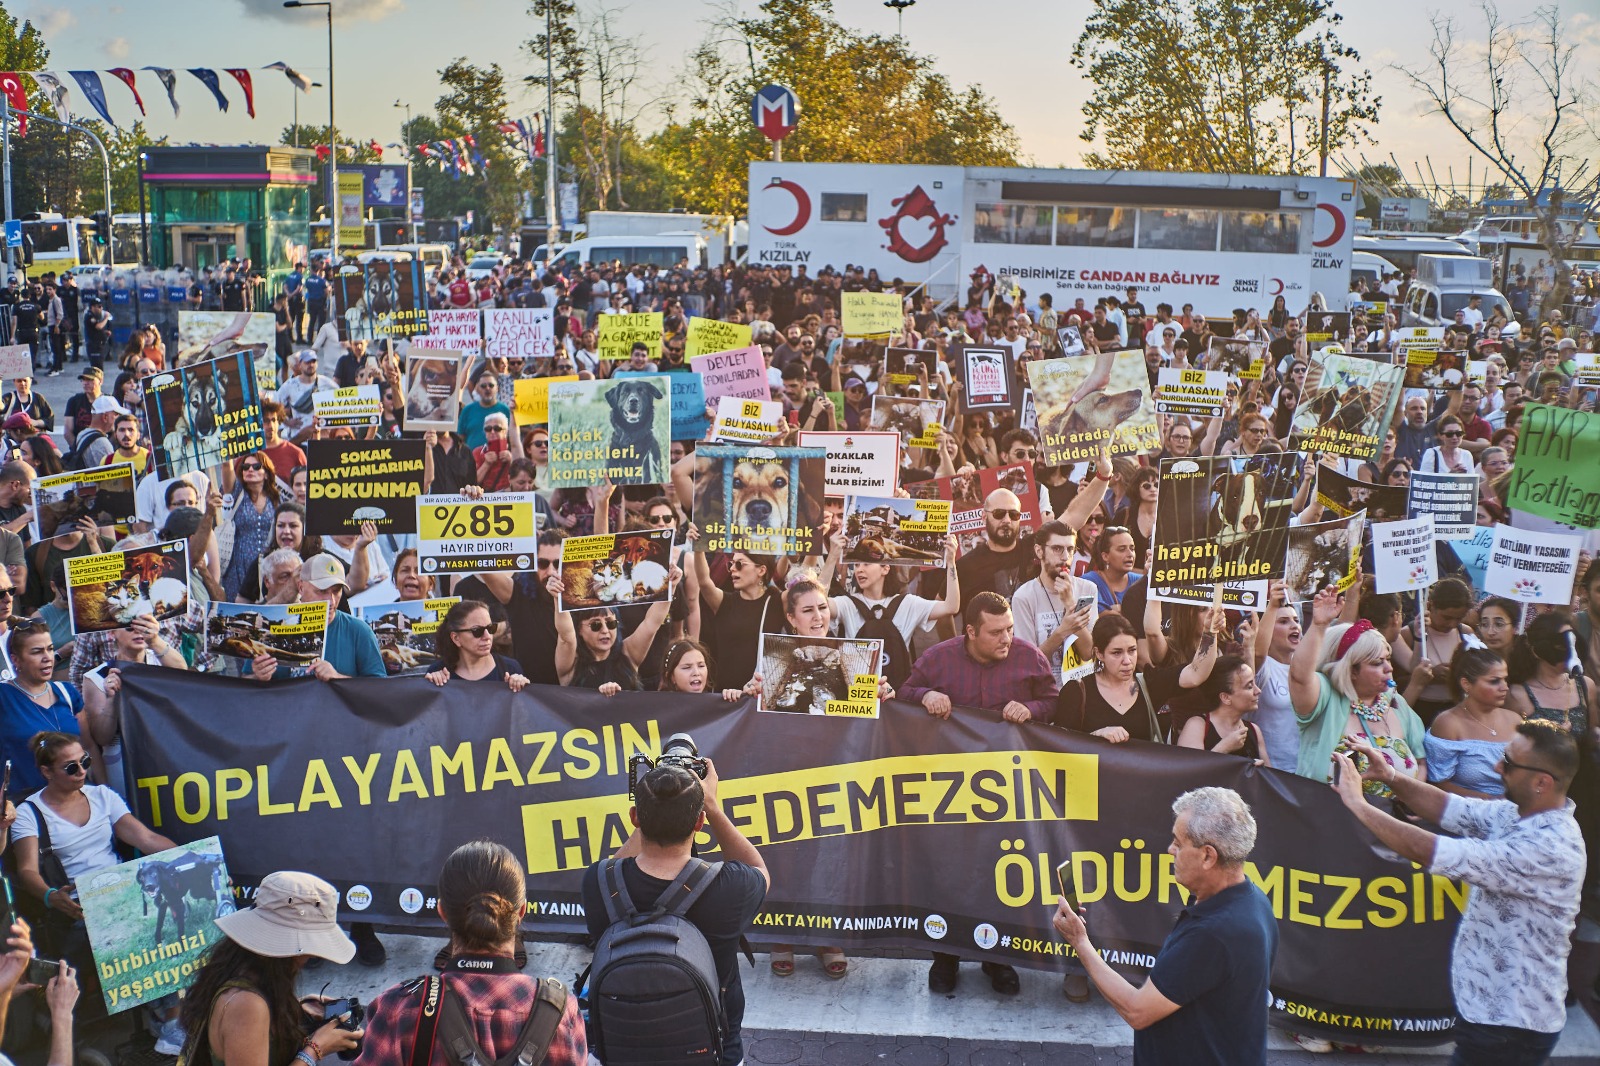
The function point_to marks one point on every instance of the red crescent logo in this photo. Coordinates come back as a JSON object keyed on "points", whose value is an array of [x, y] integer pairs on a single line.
{"points": [[802, 209], [1338, 226], [1279, 290]]}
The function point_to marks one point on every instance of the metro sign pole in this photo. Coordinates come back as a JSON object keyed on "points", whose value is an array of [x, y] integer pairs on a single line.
{"points": [[775, 112]]}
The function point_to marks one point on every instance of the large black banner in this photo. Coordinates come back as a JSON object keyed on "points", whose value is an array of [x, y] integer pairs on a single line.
{"points": [[902, 832]]}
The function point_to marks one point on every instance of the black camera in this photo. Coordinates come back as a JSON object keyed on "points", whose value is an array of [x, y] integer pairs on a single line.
{"points": [[354, 1015], [679, 750]]}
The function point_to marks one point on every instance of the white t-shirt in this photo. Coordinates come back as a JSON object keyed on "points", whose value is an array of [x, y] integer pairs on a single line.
{"points": [[1037, 617], [377, 569], [912, 615], [81, 848], [150, 498], [1274, 716]]}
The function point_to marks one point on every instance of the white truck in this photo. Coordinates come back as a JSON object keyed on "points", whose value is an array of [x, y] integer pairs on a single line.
{"points": [[725, 238]]}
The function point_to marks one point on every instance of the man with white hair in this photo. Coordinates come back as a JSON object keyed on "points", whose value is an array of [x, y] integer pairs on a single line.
{"points": [[1205, 1001]]}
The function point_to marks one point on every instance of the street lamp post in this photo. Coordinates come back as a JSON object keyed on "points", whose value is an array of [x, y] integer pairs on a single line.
{"points": [[900, 15], [405, 138], [333, 138]]}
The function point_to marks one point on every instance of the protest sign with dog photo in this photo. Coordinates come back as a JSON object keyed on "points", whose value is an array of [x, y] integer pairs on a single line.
{"points": [[862, 357], [1220, 519], [1429, 369], [356, 481], [819, 675], [967, 493], [916, 420], [1322, 554], [295, 634], [103, 493], [1326, 327], [618, 430], [900, 365], [1345, 496], [207, 335], [152, 920], [1240, 359], [406, 631], [110, 590], [988, 379], [763, 501], [616, 569], [381, 298], [891, 529], [433, 389], [1346, 406], [203, 414], [1078, 413]]}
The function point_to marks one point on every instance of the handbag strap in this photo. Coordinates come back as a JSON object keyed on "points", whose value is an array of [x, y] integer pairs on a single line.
{"points": [[1149, 709]]}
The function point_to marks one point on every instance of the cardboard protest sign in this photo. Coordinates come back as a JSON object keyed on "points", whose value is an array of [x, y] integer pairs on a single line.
{"points": [[1322, 554], [708, 335], [1346, 406], [1452, 500], [900, 365], [295, 634], [617, 334], [1071, 340], [1345, 496], [741, 373], [1403, 559], [861, 356], [110, 590], [619, 429], [616, 569], [1532, 567], [203, 414], [406, 631], [916, 421], [1558, 450], [1203, 393], [1478, 372], [689, 420], [871, 314], [433, 389], [145, 952], [497, 532], [381, 298], [967, 493], [1220, 519], [356, 406], [519, 333], [104, 493], [892, 529], [1240, 359], [356, 481], [819, 675], [16, 361], [1326, 327], [1121, 412], [865, 463], [206, 335], [1427, 368], [533, 398], [765, 501], [988, 379], [748, 421], [460, 328]]}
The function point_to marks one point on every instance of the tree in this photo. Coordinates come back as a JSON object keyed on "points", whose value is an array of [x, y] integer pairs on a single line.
{"points": [[37, 160], [474, 105], [865, 99], [1220, 87], [1520, 92]]}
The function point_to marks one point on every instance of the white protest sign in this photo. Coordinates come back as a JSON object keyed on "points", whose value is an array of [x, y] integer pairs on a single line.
{"points": [[16, 361], [859, 464], [1191, 392], [1402, 554], [1532, 567], [519, 333], [460, 325], [355, 405], [747, 421]]}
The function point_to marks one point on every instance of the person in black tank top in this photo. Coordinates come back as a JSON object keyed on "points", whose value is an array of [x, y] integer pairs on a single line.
{"points": [[591, 651], [1232, 694]]}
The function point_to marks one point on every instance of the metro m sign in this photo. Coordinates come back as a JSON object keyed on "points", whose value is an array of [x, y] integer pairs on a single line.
{"points": [[775, 112]]}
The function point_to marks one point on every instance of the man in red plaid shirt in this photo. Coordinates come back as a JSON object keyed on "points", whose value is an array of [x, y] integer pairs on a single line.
{"points": [[482, 896]]}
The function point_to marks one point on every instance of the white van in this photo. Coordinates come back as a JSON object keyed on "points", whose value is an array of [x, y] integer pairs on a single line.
{"points": [[664, 251], [1370, 269], [1403, 251], [431, 256], [1444, 285]]}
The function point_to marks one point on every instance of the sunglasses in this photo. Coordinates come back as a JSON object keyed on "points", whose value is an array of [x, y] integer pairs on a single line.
{"points": [[8, 592], [250, 466], [1505, 760], [23, 625], [599, 625], [1452, 433], [662, 520], [546, 564], [477, 632], [77, 767], [1001, 514], [541, 444]]}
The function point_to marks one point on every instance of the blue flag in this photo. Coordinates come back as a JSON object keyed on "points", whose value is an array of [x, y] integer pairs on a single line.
{"points": [[209, 77], [94, 92]]}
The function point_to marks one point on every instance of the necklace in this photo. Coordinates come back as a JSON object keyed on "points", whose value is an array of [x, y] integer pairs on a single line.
{"points": [[1483, 721], [36, 697], [1371, 712]]}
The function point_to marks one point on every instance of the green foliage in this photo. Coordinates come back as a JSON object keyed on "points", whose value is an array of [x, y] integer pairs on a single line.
{"points": [[1219, 87]]}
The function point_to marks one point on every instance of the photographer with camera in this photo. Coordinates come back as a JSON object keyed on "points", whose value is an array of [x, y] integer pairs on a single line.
{"points": [[241, 1009], [638, 989]]}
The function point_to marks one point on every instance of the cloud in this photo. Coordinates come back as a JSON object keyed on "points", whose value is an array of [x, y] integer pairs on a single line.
{"points": [[51, 20], [370, 10], [117, 48]]}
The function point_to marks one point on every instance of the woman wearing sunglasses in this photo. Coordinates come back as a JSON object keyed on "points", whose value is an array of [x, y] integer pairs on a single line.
{"points": [[253, 484], [590, 651], [79, 825], [465, 646]]}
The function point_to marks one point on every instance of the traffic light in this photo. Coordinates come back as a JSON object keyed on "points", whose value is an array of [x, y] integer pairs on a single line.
{"points": [[100, 227]]}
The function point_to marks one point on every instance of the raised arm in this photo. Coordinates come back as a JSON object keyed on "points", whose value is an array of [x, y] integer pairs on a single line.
{"points": [[1305, 690], [1091, 493], [566, 634], [950, 606], [637, 646]]}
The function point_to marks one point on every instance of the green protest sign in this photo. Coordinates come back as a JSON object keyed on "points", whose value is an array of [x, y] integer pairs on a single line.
{"points": [[1557, 451]]}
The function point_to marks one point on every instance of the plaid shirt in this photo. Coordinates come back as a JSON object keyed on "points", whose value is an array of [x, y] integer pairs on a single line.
{"points": [[498, 1005], [1023, 676]]}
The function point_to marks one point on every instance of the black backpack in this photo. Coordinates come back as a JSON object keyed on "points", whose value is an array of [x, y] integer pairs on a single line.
{"points": [[444, 1020], [74, 460], [877, 623], [654, 995]]}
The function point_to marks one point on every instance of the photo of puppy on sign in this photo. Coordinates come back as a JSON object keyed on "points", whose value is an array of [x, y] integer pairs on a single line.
{"points": [[1083, 403]]}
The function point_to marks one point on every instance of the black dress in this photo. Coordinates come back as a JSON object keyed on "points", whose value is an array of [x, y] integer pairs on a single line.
{"points": [[1082, 708]]}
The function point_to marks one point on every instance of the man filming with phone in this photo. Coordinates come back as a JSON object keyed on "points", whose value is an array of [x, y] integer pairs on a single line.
{"points": [[672, 801], [1205, 1001]]}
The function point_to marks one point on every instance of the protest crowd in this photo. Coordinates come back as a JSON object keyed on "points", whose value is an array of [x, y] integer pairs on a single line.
{"points": [[1057, 435]]}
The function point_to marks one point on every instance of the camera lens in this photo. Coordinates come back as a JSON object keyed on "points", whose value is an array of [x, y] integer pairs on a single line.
{"points": [[680, 744]]}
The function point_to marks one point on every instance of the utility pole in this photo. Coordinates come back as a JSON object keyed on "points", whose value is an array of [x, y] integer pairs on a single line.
{"points": [[1327, 90], [333, 138], [5, 145], [552, 220], [405, 138], [900, 15]]}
